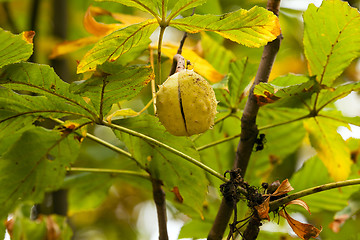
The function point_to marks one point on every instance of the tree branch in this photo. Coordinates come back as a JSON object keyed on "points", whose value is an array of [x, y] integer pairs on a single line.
{"points": [[160, 202], [249, 130], [279, 202]]}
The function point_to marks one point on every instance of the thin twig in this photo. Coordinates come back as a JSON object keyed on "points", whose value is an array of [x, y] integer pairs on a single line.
{"points": [[110, 171], [154, 142], [160, 203]]}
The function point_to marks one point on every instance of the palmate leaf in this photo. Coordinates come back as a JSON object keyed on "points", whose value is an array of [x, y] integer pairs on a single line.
{"points": [[35, 163], [15, 48], [252, 28], [153, 7], [116, 44], [331, 148], [331, 43], [42, 79], [171, 169], [124, 84]]}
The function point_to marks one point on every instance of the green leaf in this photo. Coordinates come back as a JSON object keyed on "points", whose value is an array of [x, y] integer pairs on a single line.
{"points": [[171, 169], [42, 79], [331, 39], [289, 91], [338, 116], [216, 53], [252, 28], [330, 146], [284, 134], [13, 48], [25, 228], [314, 173], [116, 44], [151, 6], [329, 95], [124, 84], [35, 163], [240, 75], [183, 5]]}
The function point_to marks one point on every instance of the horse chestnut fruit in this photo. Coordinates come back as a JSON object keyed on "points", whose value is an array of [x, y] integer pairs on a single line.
{"points": [[186, 104]]}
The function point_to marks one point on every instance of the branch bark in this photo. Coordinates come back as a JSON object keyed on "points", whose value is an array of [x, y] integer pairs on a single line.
{"points": [[249, 130], [160, 202]]}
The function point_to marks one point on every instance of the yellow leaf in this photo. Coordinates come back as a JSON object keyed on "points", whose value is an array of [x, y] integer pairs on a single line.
{"points": [[201, 66], [72, 46], [97, 28], [122, 113], [128, 19], [330, 147]]}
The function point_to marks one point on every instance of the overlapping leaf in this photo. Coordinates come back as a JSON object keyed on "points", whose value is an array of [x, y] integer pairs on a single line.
{"points": [[184, 5], [18, 112], [35, 163], [215, 53], [174, 171], [15, 48], [108, 89], [151, 6], [42, 79], [252, 28], [330, 95], [98, 29], [116, 44], [331, 43], [240, 75], [330, 146], [290, 91]]}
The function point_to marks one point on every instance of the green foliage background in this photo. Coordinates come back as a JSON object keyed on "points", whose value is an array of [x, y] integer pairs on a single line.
{"points": [[316, 65]]}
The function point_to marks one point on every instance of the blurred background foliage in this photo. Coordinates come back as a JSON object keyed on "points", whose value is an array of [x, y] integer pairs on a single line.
{"points": [[118, 207]]}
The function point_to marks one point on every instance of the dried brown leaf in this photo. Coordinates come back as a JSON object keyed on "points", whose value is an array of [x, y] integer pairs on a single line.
{"points": [[300, 203], [284, 188], [303, 230], [263, 209]]}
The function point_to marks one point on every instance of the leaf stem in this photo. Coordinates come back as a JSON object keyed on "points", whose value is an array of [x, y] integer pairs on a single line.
{"points": [[238, 135], [279, 202], [217, 142], [158, 73], [111, 171], [283, 123], [155, 142], [105, 144]]}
